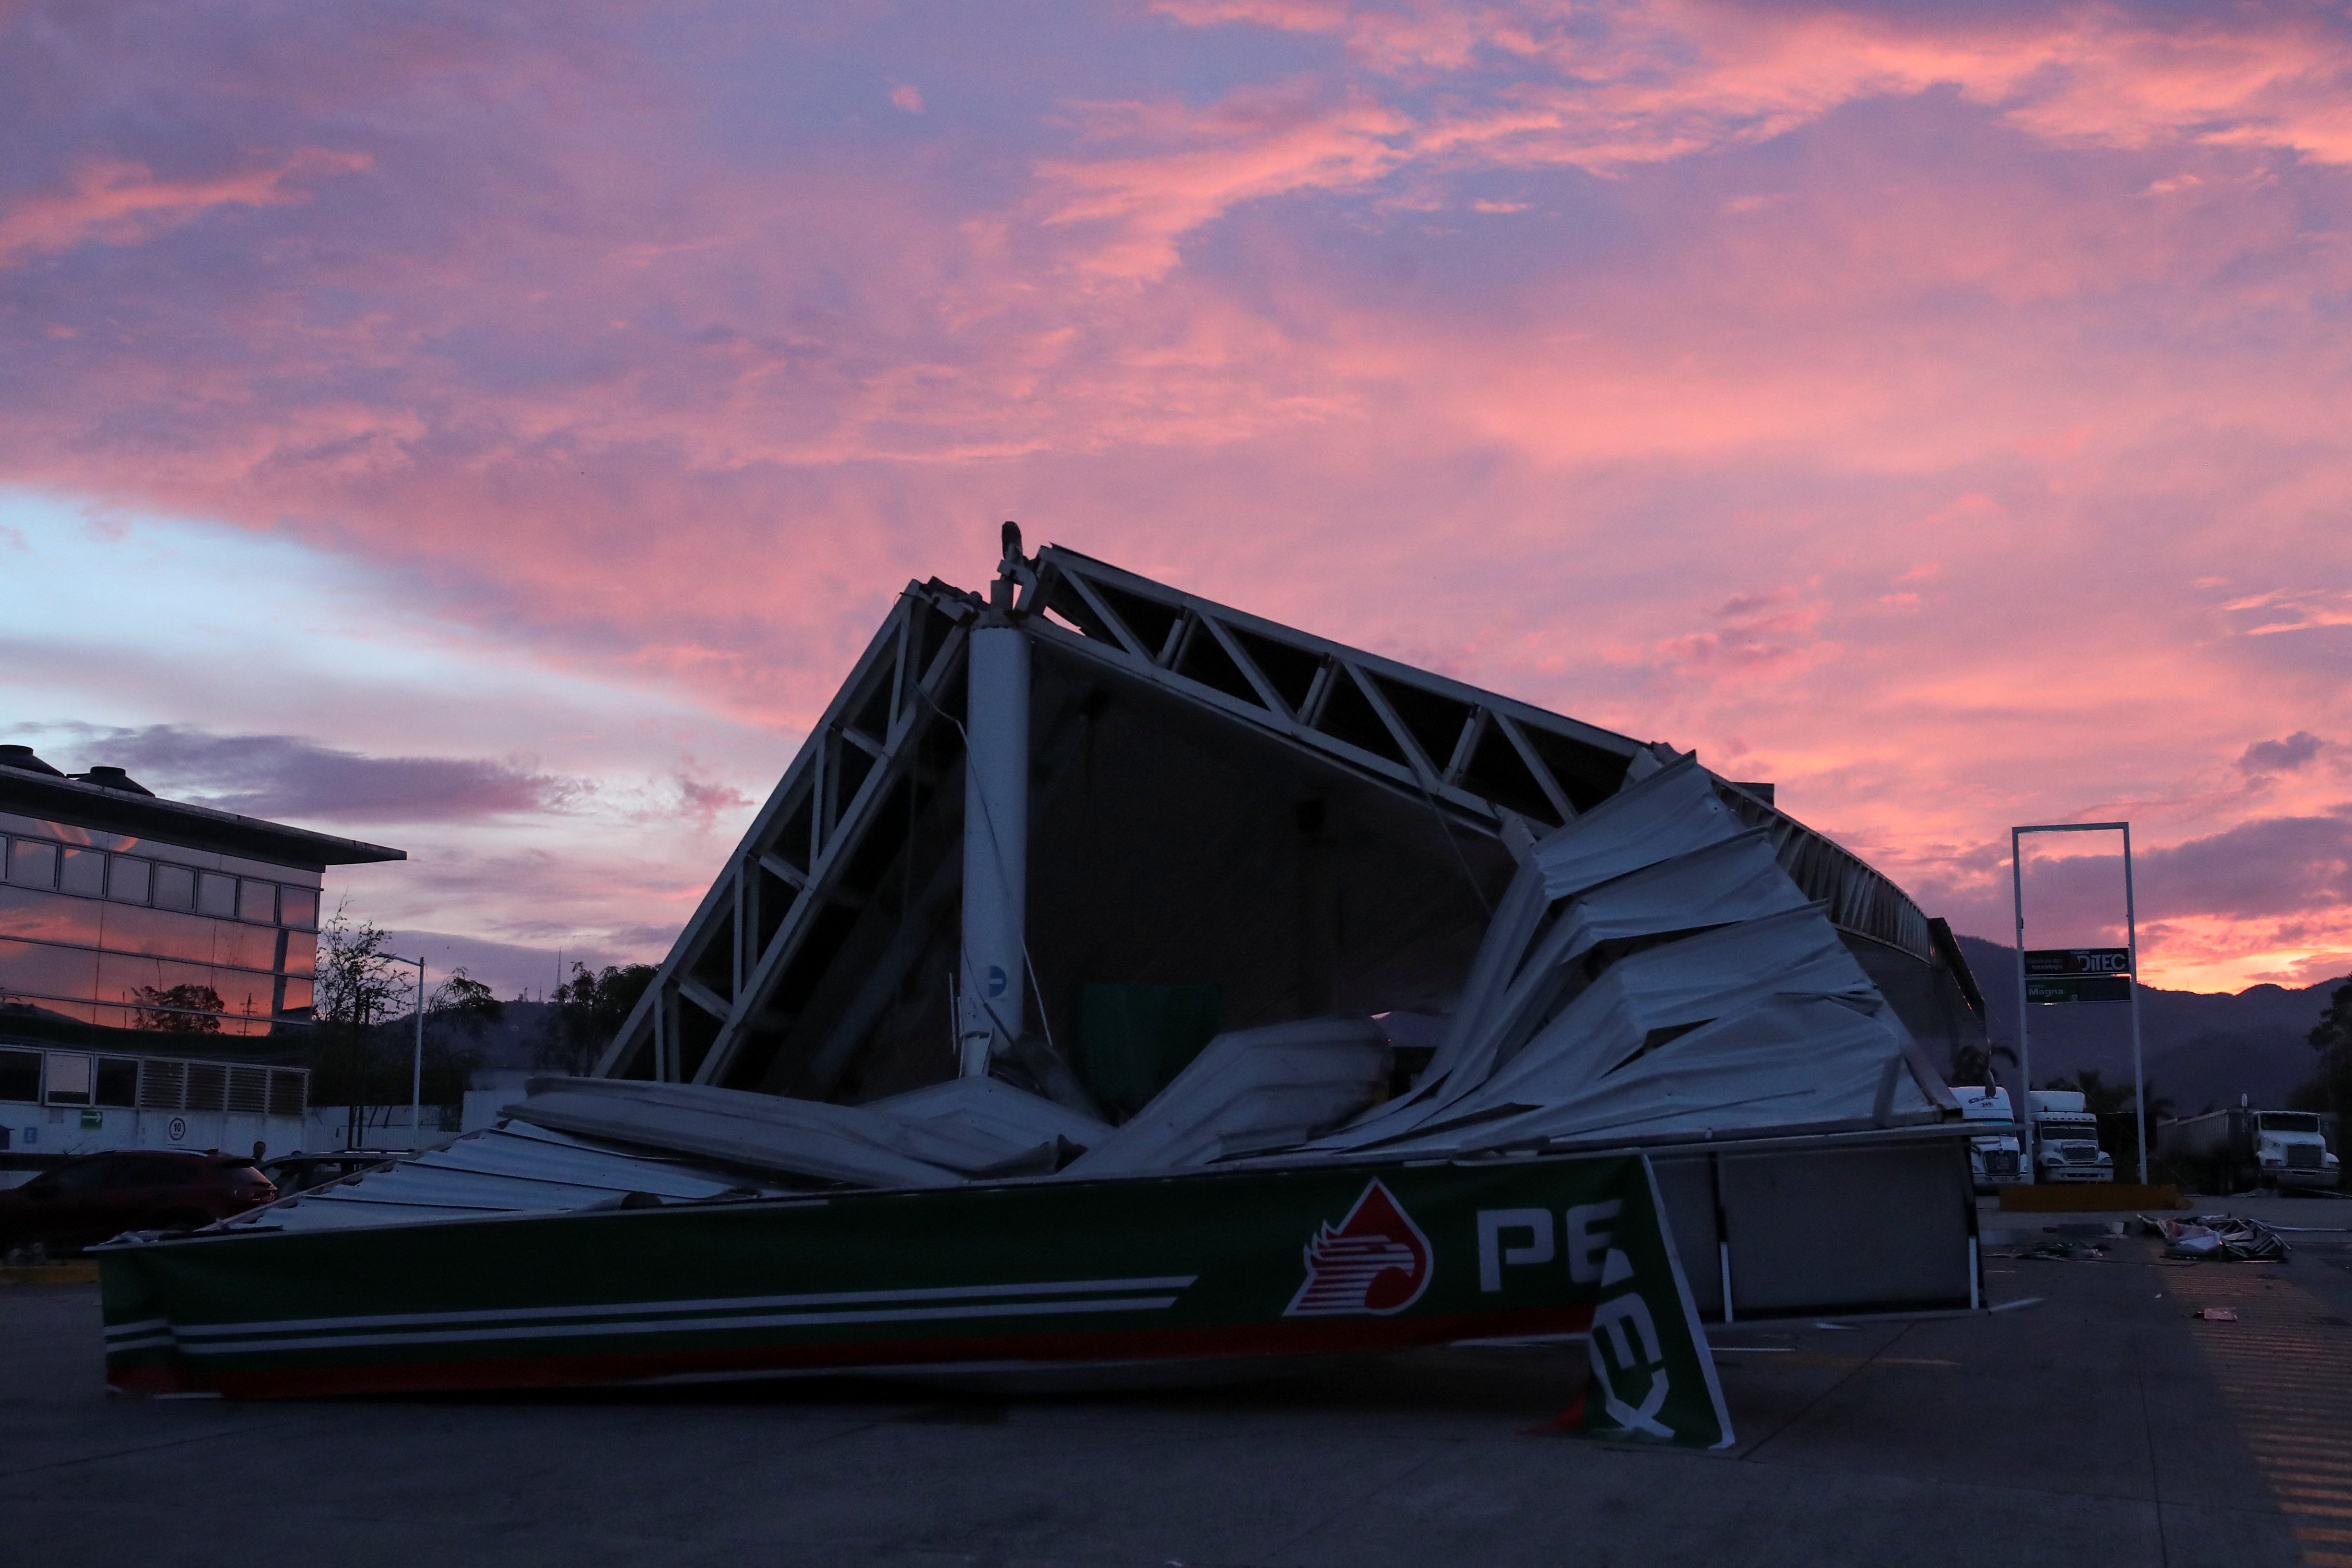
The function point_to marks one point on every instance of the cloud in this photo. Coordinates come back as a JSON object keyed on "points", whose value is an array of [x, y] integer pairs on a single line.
{"points": [[2011, 336], [123, 203], [2277, 610], [705, 803], [286, 776], [1250, 147], [1608, 87], [2280, 756], [909, 99], [2278, 885], [2263, 868]]}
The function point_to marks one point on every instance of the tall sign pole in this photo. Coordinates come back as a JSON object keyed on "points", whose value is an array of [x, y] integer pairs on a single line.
{"points": [[2060, 975], [416, 1072], [2131, 942], [2024, 1107]]}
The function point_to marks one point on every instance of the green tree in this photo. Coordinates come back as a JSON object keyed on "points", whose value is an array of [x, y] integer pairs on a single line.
{"points": [[462, 1005], [359, 986], [2330, 1087], [180, 1010], [590, 1008], [2102, 1098], [1981, 1065], [457, 1013], [359, 983]]}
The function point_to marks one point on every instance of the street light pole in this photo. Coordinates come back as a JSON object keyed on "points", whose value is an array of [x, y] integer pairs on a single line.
{"points": [[417, 1070]]}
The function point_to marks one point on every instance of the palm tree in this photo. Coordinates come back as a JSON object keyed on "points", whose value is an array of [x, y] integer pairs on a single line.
{"points": [[1979, 1064]]}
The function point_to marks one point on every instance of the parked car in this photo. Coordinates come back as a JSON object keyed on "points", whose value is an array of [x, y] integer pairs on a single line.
{"points": [[301, 1172], [16, 1169], [92, 1199]]}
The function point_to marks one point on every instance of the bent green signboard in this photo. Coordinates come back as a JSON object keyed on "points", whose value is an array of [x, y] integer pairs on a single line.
{"points": [[1013, 1276]]}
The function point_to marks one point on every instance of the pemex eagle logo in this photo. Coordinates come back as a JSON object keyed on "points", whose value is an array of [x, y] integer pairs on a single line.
{"points": [[1376, 1260]]}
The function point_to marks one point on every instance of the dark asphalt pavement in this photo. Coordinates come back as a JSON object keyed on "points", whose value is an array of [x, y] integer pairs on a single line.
{"points": [[2104, 1426]]}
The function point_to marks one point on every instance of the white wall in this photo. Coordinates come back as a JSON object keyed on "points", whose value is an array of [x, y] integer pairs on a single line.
{"points": [[75, 1130], [493, 1090]]}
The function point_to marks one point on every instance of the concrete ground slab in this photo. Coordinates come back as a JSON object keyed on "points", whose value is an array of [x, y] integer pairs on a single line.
{"points": [[2098, 1427]]}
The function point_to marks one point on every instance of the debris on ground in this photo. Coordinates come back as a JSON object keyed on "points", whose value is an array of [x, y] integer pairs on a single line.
{"points": [[2061, 1249], [2225, 1238], [2215, 1314]]}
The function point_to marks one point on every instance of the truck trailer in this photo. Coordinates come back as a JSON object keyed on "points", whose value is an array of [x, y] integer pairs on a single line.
{"points": [[1994, 1158], [2066, 1138], [2240, 1149]]}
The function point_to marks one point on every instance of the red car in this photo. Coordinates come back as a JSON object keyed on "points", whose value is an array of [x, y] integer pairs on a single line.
{"points": [[92, 1199]]}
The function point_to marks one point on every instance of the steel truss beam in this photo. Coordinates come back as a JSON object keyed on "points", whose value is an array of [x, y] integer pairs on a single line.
{"points": [[786, 873], [1473, 754], [1477, 759]]}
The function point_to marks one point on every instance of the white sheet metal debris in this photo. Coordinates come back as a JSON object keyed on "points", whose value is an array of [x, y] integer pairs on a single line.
{"points": [[1249, 1092], [516, 1168], [2223, 1238]]}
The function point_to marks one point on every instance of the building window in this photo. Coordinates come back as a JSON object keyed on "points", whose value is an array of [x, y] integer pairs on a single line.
{"points": [[118, 1080], [153, 945], [126, 879], [20, 1075], [82, 871], [217, 894], [70, 1078], [134, 879], [175, 887], [32, 864]]}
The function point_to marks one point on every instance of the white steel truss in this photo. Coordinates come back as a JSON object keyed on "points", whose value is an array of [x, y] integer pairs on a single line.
{"points": [[762, 935]]}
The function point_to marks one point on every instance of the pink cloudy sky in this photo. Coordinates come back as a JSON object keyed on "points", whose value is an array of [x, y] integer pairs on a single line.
{"points": [[492, 429]]}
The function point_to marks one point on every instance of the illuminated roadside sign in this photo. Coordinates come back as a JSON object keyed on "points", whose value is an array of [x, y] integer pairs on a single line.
{"points": [[2077, 961]]}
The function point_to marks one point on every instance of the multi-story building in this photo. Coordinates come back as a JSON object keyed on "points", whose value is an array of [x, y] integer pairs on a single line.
{"points": [[156, 965]]}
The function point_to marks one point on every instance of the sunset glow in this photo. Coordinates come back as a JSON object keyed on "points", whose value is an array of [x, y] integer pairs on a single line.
{"points": [[1940, 412]]}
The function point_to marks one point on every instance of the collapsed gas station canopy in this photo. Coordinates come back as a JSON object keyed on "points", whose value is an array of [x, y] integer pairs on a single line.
{"points": [[1230, 824], [1119, 979]]}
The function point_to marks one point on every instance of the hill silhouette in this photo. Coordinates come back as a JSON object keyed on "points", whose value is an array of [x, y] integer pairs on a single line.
{"points": [[2201, 1048]]}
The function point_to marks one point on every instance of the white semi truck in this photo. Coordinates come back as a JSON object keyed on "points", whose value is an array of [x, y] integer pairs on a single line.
{"points": [[2235, 1150], [2066, 1138], [1994, 1158]]}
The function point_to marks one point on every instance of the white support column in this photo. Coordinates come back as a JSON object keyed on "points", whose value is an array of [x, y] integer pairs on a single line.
{"points": [[2020, 1104], [989, 1015]]}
